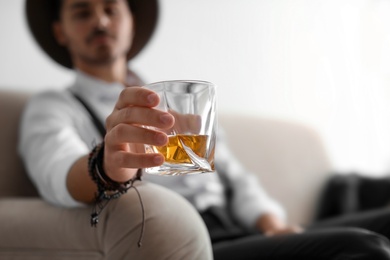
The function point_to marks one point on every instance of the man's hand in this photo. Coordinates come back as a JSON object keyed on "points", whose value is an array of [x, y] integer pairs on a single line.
{"points": [[124, 150], [270, 225]]}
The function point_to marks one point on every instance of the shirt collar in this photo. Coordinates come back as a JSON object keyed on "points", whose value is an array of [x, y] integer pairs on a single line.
{"points": [[95, 89]]}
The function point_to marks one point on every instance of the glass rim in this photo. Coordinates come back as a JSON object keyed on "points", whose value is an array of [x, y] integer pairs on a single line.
{"points": [[180, 81]]}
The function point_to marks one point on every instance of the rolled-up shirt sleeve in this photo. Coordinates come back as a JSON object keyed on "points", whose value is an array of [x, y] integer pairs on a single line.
{"points": [[49, 145], [249, 199]]}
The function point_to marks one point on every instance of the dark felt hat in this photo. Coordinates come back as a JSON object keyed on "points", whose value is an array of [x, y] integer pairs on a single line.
{"points": [[41, 14]]}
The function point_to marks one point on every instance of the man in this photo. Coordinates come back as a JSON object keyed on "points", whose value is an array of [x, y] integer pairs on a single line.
{"points": [[97, 38]]}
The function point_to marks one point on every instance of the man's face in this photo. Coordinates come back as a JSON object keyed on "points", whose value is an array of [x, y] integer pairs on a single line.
{"points": [[96, 32]]}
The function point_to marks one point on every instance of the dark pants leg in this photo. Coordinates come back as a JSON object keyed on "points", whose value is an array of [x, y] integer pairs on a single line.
{"points": [[329, 244], [374, 220], [354, 237]]}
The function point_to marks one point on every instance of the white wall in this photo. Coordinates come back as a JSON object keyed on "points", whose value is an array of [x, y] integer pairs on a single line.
{"points": [[324, 63]]}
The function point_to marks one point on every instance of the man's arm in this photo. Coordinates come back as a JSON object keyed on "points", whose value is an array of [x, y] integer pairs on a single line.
{"points": [[79, 183], [124, 152], [251, 205]]}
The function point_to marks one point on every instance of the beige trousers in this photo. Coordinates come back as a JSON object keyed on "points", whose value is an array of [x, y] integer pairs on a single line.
{"points": [[32, 229]]}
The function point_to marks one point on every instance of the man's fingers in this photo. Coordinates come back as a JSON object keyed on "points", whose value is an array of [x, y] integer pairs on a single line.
{"points": [[124, 133], [124, 159], [118, 164], [137, 96], [140, 116], [284, 231]]}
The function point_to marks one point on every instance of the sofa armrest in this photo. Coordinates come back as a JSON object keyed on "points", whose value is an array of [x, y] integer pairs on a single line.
{"points": [[13, 178]]}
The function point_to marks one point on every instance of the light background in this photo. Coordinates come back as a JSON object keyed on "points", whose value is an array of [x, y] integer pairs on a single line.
{"points": [[324, 63]]}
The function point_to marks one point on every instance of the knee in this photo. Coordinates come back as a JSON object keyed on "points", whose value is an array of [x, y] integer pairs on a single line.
{"points": [[173, 228], [367, 243]]}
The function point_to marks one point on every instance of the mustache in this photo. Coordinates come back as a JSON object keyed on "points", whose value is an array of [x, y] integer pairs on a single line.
{"points": [[97, 33]]}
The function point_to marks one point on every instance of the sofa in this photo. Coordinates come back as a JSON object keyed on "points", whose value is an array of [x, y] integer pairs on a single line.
{"points": [[289, 159]]}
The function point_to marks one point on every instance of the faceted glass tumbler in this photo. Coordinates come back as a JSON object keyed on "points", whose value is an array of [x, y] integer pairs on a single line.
{"points": [[191, 144]]}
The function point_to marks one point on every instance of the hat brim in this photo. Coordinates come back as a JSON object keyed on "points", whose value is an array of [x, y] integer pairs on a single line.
{"points": [[39, 15]]}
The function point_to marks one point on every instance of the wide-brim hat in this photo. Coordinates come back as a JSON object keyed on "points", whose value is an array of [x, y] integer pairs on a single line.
{"points": [[40, 18]]}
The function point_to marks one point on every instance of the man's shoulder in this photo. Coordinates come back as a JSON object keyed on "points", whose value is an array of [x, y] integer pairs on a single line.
{"points": [[56, 96], [51, 101], [50, 95]]}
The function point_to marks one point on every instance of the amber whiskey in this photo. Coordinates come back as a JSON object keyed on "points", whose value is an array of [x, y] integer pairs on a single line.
{"points": [[176, 151]]}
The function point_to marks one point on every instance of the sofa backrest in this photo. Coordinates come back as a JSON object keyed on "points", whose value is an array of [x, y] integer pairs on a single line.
{"points": [[289, 159], [13, 178]]}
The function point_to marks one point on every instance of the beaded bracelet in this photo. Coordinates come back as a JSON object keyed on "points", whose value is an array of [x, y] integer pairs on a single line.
{"points": [[108, 189]]}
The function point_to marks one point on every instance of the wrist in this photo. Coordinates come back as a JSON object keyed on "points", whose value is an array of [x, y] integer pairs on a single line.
{"points": [[97, 172], [107, 188]]}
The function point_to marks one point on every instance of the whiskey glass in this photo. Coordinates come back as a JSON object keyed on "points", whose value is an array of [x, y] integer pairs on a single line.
{"points": [[191, 145]]}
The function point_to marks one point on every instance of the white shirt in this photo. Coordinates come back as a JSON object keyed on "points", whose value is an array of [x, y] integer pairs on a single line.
{"points": [[56, 130]]}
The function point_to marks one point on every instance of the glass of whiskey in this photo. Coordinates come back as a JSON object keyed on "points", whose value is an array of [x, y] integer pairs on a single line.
{"points": [[191, 141]]}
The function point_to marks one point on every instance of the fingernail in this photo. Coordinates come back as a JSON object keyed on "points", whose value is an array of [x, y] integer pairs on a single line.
{"points": [[161, 138], [166, 118], [152, 98], [158, 159]]}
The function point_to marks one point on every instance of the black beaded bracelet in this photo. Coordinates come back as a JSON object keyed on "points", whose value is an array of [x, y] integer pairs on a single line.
{"points": [[107, 188], [98, 175]]}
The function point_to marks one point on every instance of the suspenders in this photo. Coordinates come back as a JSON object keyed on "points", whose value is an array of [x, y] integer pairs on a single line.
{"points": [[96, 121]]}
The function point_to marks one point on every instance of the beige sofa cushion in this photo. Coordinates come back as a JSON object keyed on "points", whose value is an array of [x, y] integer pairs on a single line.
{"points": [[14, 181]]}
